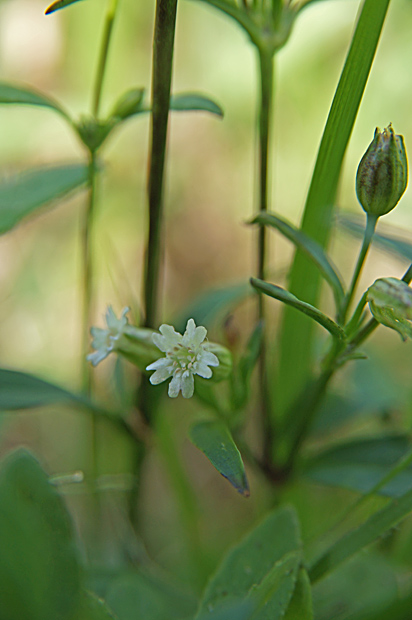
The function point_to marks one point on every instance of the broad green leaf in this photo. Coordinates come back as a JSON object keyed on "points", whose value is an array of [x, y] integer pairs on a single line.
{"points": [[214, 439], [274, 593], [296, 346], [92, 608], [377, 525], [287, 298], [140, 595], [247, 564], [211, 305], [59, 4], [187, 102], [366, 583], [19, 390], [310, 247], [300, 606], [23, 194], [384, 240], [359, 465], [26, 96], [39, 571]]}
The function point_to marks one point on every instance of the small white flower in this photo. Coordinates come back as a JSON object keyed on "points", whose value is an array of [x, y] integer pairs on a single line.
{"points": [[186, 356], [104, 340]]}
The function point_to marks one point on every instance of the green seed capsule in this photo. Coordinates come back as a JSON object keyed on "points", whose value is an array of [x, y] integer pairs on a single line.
{"points": [[382, 174]]}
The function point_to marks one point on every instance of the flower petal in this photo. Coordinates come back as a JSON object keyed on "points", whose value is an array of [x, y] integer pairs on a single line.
{"points": [[202, 370], [163, 362], [160, 375], [160, 342], [209, 358], [97, 356], [188, 385], [175, 386], [171, 336]]}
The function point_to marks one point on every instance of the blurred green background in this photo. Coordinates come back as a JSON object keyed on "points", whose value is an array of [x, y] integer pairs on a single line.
{"points": [[210, 196]]}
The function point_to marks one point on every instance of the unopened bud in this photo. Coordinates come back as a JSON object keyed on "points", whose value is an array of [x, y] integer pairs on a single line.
{"points": [[382, 174]]}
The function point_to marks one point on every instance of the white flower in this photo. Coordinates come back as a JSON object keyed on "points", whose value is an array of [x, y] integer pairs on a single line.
{"points": [[104, 340], [186, 356]]}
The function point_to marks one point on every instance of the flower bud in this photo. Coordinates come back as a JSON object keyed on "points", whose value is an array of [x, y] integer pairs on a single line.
{"points": [[382, 174]]}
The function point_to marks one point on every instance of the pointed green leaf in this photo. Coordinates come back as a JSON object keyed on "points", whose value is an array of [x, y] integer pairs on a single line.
{"points": [[25, 193], [300, 607], [297, 335], [214, 439], [274, 593], [19, 390], [247, 564], [19, 95], [287, 298], [206, 308], [378, 524], [191, 102], [310, 247], [92, 608], [59, 4], [39, 571]]}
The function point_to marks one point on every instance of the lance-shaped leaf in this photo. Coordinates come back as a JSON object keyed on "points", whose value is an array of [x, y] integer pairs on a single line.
{"points": [[23, 194], [287, 298], [18, 95], [19, 390], [310, 247], [249, 562], [378, 524], [59, 4], [300, 606], [214, 439], [192, 102], [297, 335], [39, 571]]}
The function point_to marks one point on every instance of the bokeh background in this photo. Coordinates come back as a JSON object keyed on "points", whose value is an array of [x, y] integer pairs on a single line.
{"points": [[210, 196]]}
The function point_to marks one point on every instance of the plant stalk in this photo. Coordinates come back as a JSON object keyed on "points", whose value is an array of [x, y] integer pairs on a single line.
{"points": [[164, 35], [104, 52]]}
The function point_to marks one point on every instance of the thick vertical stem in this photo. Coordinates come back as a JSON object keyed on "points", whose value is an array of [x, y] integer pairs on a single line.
{"points": [[265, 113], [164, 34]]}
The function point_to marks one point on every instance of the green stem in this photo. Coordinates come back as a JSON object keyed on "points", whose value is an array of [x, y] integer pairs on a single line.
{"points": [[164, 34], [88, 271], [104, 52], [266, 70], [369, 231]]}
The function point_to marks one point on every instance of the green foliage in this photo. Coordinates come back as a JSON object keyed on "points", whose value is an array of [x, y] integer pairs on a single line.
{"points": [[27, 192], [19, 95], [39, 572], [214, 439], [59, 4], [192, 102]]}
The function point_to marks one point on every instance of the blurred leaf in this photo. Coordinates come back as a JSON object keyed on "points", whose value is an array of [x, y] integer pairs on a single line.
{"points": [[240, 16], [274, 593], [212, 304], [383, 240], [363, 585], [241, 378], [59, 4], [300, 606], [19, 95], [191, 102], [247, 564], [92, 608], [310, 247], [287, 298], [393, 293], [359, 465], [140, 595], [235, 611], [214, 439], [377, 525], [296, 347], [129, 103], [23, 194], [19, 390], [392, 318], [39, 572]]}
